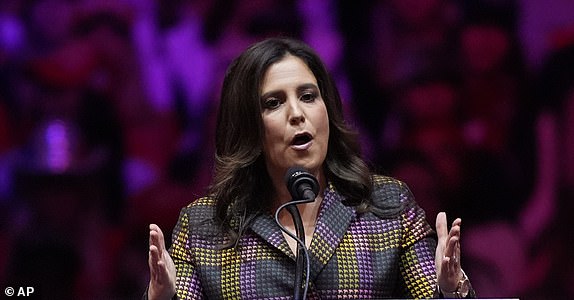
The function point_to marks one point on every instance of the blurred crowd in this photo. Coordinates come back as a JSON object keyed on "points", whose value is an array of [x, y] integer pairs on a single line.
{"points": [[107, 111]]}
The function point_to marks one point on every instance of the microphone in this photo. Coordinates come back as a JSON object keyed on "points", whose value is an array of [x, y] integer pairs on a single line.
{"points": [[301, 184], [303, 187]]}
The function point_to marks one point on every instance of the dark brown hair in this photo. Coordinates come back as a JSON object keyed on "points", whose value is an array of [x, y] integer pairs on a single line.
{"points": [[242, 185]]}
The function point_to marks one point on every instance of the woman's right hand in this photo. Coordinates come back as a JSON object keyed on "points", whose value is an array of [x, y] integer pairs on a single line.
{"points": [[161, 267]]}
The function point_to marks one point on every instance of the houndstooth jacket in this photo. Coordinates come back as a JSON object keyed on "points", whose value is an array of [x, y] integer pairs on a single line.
{"points": [[352, 256]]}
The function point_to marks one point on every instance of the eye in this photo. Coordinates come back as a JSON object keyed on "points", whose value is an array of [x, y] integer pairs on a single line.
{"points": [[271, 103], [308, 97]]}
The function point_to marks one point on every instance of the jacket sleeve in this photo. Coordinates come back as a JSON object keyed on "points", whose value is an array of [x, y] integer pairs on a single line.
{"points": [[417, 269], [188, 284]]}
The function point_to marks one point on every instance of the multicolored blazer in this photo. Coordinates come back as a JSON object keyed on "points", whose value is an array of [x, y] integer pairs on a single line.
{"points": [[352, 256]]}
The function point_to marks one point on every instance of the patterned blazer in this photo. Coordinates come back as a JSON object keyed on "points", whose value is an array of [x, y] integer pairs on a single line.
{"points": [[352, 256]]}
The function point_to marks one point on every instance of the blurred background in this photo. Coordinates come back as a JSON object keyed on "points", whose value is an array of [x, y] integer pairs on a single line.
{"points": [[107, 111]]}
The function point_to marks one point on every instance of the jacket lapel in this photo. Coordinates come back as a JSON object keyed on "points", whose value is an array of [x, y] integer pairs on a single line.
{"points": [[264, 225], [332, 223]]}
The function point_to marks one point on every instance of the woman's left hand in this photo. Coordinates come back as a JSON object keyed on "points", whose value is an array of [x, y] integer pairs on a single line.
{"points": [[447, 259]]}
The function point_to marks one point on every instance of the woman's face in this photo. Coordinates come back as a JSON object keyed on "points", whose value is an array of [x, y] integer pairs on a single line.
{"points": [[295, 118]]}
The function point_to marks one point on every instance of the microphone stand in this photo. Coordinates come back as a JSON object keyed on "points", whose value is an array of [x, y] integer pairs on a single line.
{"points": [[301, 251], [303, 186], [302, 255]]}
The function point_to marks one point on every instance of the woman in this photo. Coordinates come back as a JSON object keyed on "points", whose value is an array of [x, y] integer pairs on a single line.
{"points": [[366, 236]]}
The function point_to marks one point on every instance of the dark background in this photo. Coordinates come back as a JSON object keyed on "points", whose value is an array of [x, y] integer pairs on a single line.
{"points": [[107, 111]]}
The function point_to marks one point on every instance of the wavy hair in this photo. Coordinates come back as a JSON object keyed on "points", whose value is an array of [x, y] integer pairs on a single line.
{"points": [[242, 187]]}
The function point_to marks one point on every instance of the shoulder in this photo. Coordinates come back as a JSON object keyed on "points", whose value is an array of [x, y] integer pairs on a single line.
{"points": [[389, 197], [395, 194], [382, 181], [201, 205], [389, 189], [198, 225], [199, 213]]}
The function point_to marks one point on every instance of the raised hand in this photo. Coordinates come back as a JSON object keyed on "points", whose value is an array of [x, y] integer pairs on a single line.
{"points": [[161, 267], [447, 258]]}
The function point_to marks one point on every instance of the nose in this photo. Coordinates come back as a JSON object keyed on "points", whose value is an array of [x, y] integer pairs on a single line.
{"points": [[296, 115]]}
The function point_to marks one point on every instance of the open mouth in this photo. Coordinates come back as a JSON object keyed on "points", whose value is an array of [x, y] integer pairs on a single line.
{"points": [[301, 139]]}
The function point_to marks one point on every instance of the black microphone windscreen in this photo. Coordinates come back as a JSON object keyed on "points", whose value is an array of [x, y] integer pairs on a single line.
{"points": [[298, 179]]}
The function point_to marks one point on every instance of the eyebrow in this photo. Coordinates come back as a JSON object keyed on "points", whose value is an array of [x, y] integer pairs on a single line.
{"points": [[307, 86], [300, 88]]}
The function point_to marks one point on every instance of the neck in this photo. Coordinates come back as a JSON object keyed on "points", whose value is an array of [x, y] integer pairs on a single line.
{"points": [[282, 195], [309, 214], [308, 211]]}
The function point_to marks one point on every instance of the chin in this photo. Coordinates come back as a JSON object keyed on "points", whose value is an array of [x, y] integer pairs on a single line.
{"points": [[311, 166]]}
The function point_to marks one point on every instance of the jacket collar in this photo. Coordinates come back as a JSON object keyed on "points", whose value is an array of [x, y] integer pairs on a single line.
{"points": [[332, 223]]}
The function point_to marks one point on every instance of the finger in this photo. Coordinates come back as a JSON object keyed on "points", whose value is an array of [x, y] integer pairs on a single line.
{"points": [[159, 271], [442, 234], [456, 222], [159, 238], [454, 235], [454, 232], [156, 248], [152, 234], [451, 261], [441, 228], [457, 252], [154, 240], [457, 225], [453, 242], [451, 246], [154, 260]]}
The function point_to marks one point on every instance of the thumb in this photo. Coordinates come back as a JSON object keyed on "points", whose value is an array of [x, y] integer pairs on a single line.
{"points": [[441, 229]]}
